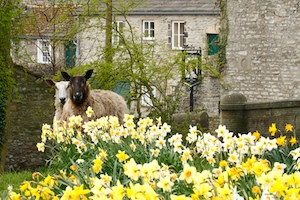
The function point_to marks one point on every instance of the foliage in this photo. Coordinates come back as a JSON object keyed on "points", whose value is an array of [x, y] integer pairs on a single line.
{"points": [[143, 160], [223, 34], [141, 65], [7, 12], [12, 179]]}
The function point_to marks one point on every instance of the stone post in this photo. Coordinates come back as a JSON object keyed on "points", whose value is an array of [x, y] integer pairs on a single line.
{"points": [[232, 109]]}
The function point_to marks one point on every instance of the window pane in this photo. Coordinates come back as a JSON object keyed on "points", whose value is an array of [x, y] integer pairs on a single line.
{"points": [[175, 39], [152, 33], [175, 28], [181, 41], [152, 25], [181, 28], [146, 33]]}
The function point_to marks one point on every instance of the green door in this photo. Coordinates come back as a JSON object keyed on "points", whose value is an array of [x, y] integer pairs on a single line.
{"points": [[213, 40], [70, 55], [122, 89]]}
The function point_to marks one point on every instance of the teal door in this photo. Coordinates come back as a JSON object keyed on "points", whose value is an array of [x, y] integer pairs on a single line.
{"points": [[70, 55], [213, 40], [122, 89]]}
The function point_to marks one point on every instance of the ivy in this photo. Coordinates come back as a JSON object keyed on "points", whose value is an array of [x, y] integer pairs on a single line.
{"points": [[224, 30], [7, 9]]}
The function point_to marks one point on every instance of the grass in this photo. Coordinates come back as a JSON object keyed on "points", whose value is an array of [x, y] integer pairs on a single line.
{"points": [[15, 178]]}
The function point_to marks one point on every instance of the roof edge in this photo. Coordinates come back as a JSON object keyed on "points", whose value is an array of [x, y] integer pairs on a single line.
{"points": [[175, 13]]}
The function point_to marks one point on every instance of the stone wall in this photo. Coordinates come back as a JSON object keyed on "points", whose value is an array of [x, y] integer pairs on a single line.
{"points": [[263, 53], [206, 98], [241, 116], [28, 111]]}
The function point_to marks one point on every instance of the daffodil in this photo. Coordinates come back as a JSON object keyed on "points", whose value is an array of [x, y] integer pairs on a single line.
{"points": [[281, 140], [188, 173], [288, 128], [118, 191], [272, 129], [165, 183], [256, 134], [221, 131], [256, 190], [293, 140], [122, 156], [132, 169], [225, 192], [89, 111], [40, 146]]}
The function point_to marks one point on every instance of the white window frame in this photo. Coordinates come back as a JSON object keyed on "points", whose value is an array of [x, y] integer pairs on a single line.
{"points": [[116, 33], [177, 35], [147, 30], [44, 53]]}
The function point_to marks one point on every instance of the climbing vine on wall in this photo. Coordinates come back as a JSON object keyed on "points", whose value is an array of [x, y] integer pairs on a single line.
{"points": [[224, 30], [7, 8]]}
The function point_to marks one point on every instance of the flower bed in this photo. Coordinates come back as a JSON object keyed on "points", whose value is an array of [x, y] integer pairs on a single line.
{"points": [[141, 159]]}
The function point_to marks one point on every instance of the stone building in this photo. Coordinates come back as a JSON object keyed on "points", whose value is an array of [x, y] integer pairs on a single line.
{"points": [[257, 86], [263, 59]]}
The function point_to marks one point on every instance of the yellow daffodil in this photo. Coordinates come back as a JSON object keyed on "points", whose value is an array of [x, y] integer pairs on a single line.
{"points": [[288, 128], [272, 129], [223, 163], [132, 169], [122, 156], [256, 190], [97, 167], [179, 197], [225, 192], [281, 141], [293, 140], [118, 191], [256, 134]]}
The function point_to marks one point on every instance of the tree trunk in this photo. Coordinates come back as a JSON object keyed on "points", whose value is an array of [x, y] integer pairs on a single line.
{"points": [[108, 35]]}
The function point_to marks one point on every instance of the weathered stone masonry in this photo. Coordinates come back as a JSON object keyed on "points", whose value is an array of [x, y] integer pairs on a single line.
{"points": [[263, 53]]}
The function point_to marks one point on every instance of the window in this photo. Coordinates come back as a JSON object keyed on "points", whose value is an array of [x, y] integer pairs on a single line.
{"points": [[177, 35], [213, 40], [146, 100], [44, 51], [148, 30], [117, 33]]}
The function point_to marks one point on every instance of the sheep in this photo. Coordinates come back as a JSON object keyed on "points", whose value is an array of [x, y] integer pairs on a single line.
{"points": [[103, 102], [61, 96]]}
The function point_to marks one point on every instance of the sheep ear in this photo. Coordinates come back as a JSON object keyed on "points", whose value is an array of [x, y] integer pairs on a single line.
{"points": [[66, 76], [88, 74], [50, 82]]}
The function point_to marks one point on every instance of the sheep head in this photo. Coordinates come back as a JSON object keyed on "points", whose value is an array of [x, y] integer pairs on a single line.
{"points": [[79, 88], [61, 89]]}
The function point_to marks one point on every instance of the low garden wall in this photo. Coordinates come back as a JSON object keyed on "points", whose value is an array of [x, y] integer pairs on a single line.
{"points": [[241, 116], [29, 109]]}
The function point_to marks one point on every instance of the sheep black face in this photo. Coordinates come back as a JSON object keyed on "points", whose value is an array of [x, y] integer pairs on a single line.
{"points": [[79, 89]]}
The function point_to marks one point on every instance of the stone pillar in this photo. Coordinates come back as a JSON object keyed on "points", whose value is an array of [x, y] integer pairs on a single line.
{"points": [[232, 109]]}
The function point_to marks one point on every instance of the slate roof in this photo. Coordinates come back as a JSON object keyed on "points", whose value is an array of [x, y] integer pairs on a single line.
{"points": [[179, 6], [161, 6]]}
